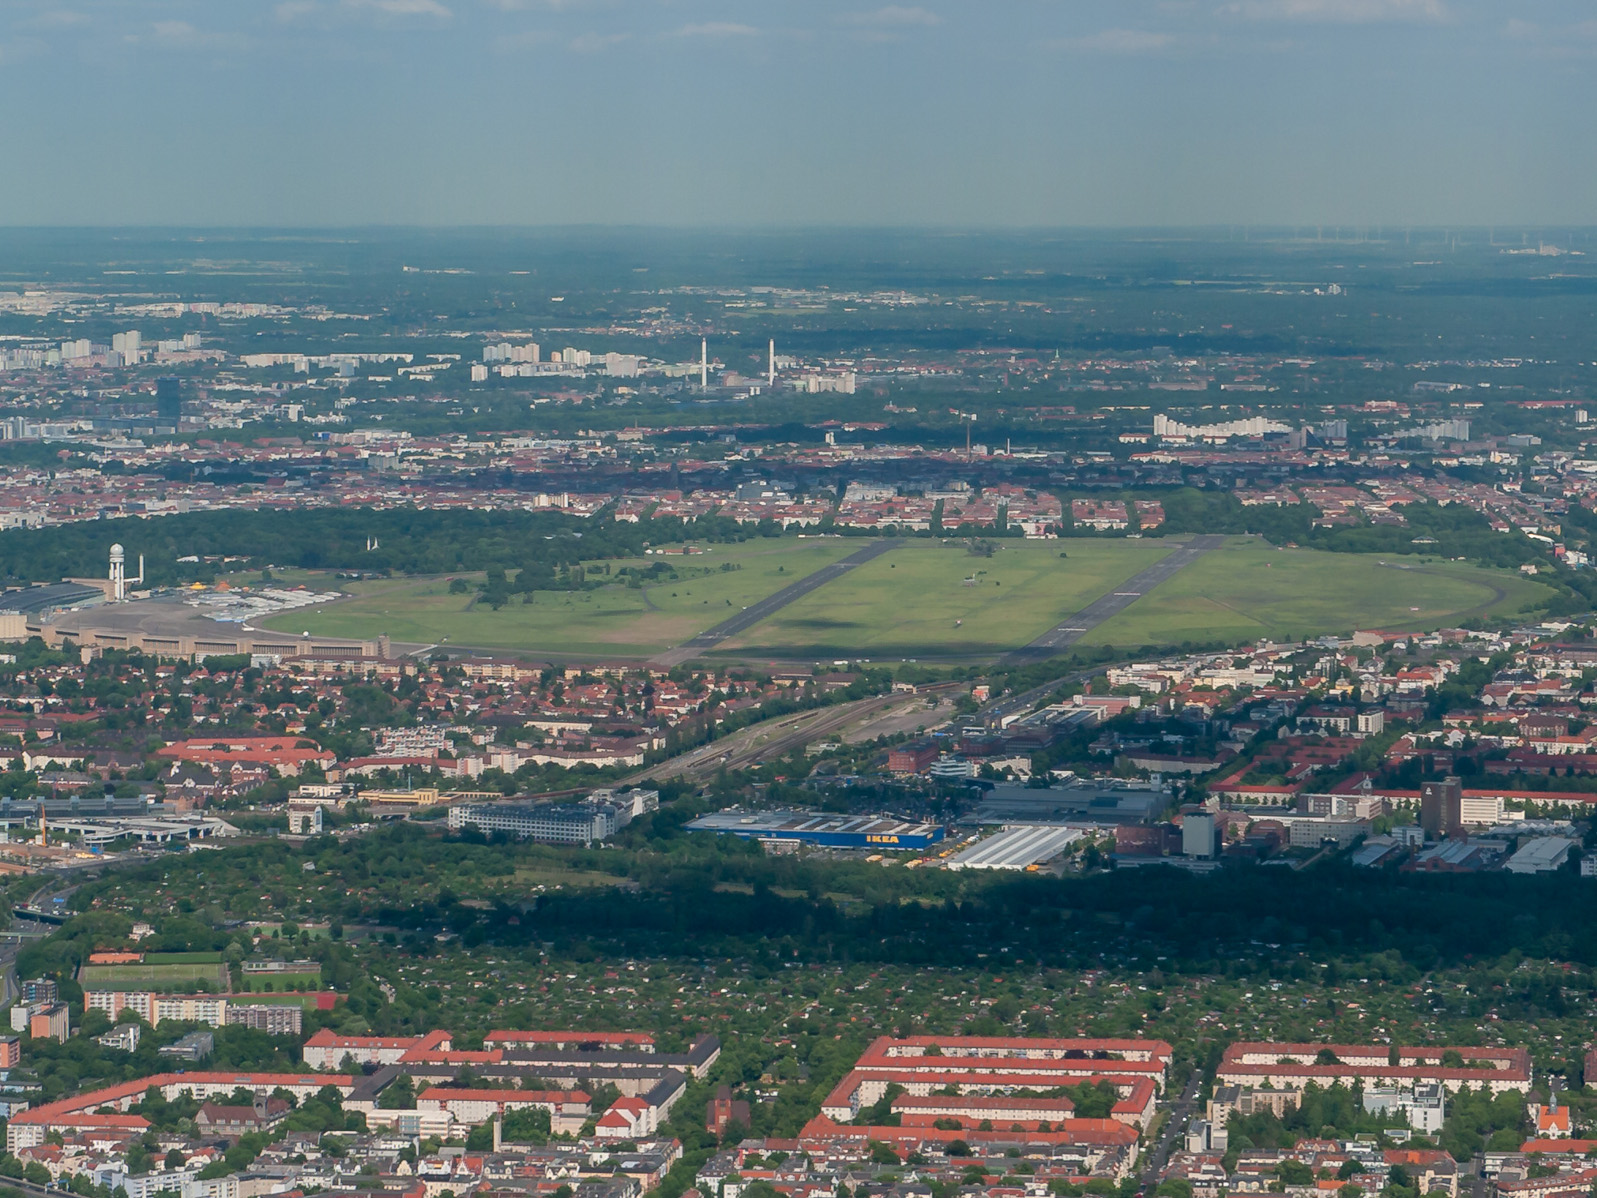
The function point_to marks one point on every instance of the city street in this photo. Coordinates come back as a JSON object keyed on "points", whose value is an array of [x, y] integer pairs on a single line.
{"points": [[1178, 1115]]}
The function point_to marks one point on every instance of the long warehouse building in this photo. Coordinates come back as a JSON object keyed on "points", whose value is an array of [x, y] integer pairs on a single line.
{"points": [[1017, 848], [880, 832]]}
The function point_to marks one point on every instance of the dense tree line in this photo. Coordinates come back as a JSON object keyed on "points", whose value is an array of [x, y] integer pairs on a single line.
{"points": [[1204, 924], [409, 541], [1431, 529], [675, 904]]}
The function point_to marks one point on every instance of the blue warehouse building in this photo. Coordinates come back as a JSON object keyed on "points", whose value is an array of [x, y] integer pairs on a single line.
{"points": [[881, 833]]}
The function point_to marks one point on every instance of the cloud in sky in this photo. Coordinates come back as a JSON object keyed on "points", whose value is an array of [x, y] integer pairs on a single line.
{"points": [[1345, 12], [58, 18], [1120, 41], [1569, 41], [21, 48], [524, 5], [182, 35], [894, 16], [404, 8], [716, 29], [529, 39], [334, 13], [593, 43]]}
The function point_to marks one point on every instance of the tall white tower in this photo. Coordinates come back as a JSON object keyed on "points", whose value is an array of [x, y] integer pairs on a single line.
{"points": [[770, 369], [704, 363], [118, 575]]}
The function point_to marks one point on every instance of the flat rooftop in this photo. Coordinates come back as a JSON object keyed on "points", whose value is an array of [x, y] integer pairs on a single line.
{"points": [[808, 823], [1016, 848], [1091, 802], [33, 600]]}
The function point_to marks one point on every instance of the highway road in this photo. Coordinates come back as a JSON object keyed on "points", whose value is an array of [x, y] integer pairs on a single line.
{"points": [[771, 604], [9, 991], [31, 1190], [1104, 607], [12, 940]]}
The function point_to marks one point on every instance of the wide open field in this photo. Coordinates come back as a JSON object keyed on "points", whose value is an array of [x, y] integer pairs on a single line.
{"points": [[614, 621], [1249, 589], [930, 599]]}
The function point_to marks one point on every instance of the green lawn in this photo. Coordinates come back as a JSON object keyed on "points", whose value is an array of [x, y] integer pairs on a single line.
{"points": [[282, 981], [1249, 590], [307, 1000], [615, 621], [552, 875], [930, 599], [146, 975]]}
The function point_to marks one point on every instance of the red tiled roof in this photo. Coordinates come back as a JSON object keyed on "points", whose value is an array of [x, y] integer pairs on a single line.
{"points": [[327, 1038], [507, 1037], [821, 1130], [1563, 1145], [72, 1109], [448, 1093]]}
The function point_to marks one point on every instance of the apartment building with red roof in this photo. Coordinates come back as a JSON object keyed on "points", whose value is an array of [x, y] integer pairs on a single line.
{"points": [[286, 754], [580, 1041], [973, 1071], [328, 1050], [1500, 1070], [107, 1109]]}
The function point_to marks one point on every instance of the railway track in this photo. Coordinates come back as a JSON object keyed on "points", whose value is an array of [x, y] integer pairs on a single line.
{"points": [[749, 746]]}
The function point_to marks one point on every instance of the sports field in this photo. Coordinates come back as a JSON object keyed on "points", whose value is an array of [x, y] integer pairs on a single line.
{"points": [[1248, 589], [305, 998], [934, 599], [154, 976], [282, 981], [614, 621]]}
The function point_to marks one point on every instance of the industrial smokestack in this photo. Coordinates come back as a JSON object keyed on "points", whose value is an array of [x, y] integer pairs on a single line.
{"points": [[704, 363], [770, 370]]}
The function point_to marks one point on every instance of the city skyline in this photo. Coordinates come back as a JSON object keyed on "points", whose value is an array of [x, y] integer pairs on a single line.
{"points": [[549, 112]]}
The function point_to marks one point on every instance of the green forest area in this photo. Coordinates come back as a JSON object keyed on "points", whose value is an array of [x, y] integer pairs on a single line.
{"points": [[817, 956]]}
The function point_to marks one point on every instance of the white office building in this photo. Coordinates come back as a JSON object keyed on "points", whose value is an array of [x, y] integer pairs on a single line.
{"points": [[1424, 1106]]}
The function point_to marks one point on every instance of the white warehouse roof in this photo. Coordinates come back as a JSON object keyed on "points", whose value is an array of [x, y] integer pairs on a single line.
{"points": [[1542, 855], [1017, 847]]}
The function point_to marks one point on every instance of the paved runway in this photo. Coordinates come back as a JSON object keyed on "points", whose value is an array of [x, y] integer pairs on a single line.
{"points": [[1095, 613], [771, 604]]}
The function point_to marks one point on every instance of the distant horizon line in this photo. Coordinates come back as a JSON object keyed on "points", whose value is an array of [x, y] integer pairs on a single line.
{"points": [[1324, 230]]}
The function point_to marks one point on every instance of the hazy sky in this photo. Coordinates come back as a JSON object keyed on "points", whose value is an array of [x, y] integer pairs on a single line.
{"points": [[711, 112]]}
